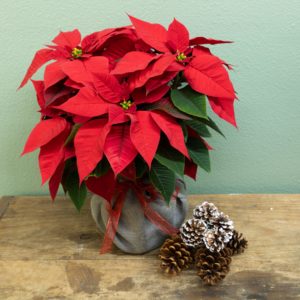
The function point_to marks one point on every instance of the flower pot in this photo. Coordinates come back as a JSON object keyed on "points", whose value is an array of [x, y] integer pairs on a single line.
{"points": [[135, 233]]}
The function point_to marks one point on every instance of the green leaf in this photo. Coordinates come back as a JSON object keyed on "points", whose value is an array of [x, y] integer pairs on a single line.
{"points": [[140, 166], [185, 131], [101, 168], [171, 158], [77, 193], [168, 107], [199, 153], [163, 179], [190, 102], [209, 122], [199, 127], [70, 167]]}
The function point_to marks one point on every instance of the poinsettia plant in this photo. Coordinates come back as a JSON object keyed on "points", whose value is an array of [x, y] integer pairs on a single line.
{"points": [[126, 103]]}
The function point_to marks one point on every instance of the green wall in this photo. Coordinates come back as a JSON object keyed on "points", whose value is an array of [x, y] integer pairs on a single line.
{"points": [[262, 156]]}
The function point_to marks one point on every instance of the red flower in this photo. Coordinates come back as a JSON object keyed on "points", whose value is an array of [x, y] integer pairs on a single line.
{"points": [[73, 56]]}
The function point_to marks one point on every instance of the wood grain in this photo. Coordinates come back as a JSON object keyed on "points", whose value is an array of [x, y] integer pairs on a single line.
{"points": [[49, 251]]}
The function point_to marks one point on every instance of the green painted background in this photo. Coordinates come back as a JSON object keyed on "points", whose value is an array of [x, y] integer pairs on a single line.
{"points": [[262, 156]]}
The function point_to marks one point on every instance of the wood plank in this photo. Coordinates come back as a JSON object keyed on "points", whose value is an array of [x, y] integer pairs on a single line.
{"points": [[49, 251], [136, 279]]}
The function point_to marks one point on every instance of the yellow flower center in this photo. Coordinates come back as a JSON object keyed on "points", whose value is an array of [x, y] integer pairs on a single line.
{"points": [[76, 52], [181, 56], [125, 104]]}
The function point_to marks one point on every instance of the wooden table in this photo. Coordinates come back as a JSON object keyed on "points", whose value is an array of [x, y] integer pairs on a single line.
{"points": [[49, 251]]}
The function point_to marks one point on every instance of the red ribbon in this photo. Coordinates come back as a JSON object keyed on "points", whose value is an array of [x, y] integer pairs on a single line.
{"points": [[145, 194]]}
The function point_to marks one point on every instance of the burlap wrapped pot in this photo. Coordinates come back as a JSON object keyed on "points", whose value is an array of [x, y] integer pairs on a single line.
{"points": [[135, 233]]}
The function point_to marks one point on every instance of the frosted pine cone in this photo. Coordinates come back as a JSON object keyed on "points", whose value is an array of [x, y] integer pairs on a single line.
{"points": [[206, 211], [221, 232], [224, 225], [213, 241], [192, 232]]}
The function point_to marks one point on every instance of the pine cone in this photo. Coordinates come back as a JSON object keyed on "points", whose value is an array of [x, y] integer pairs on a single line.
{"points": [[219, 233], [238, 243], [212, 267], [206, 211], [214, 240], [224, 225], [175, 255], [192, 232]]}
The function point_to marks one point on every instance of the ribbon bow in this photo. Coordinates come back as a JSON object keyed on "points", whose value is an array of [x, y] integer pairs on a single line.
{"points": [[145, 194]]}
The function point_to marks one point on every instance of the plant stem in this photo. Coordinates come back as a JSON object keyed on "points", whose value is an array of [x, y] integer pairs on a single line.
{"points": [[177, 80]]}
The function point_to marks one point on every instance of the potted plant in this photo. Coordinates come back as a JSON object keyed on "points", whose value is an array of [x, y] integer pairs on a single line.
{"points": [[123, 115]]}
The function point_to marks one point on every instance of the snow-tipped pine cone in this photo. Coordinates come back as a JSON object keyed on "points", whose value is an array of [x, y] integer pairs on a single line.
{"points": [[205, 211], [192, 232], [219, 232]]}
